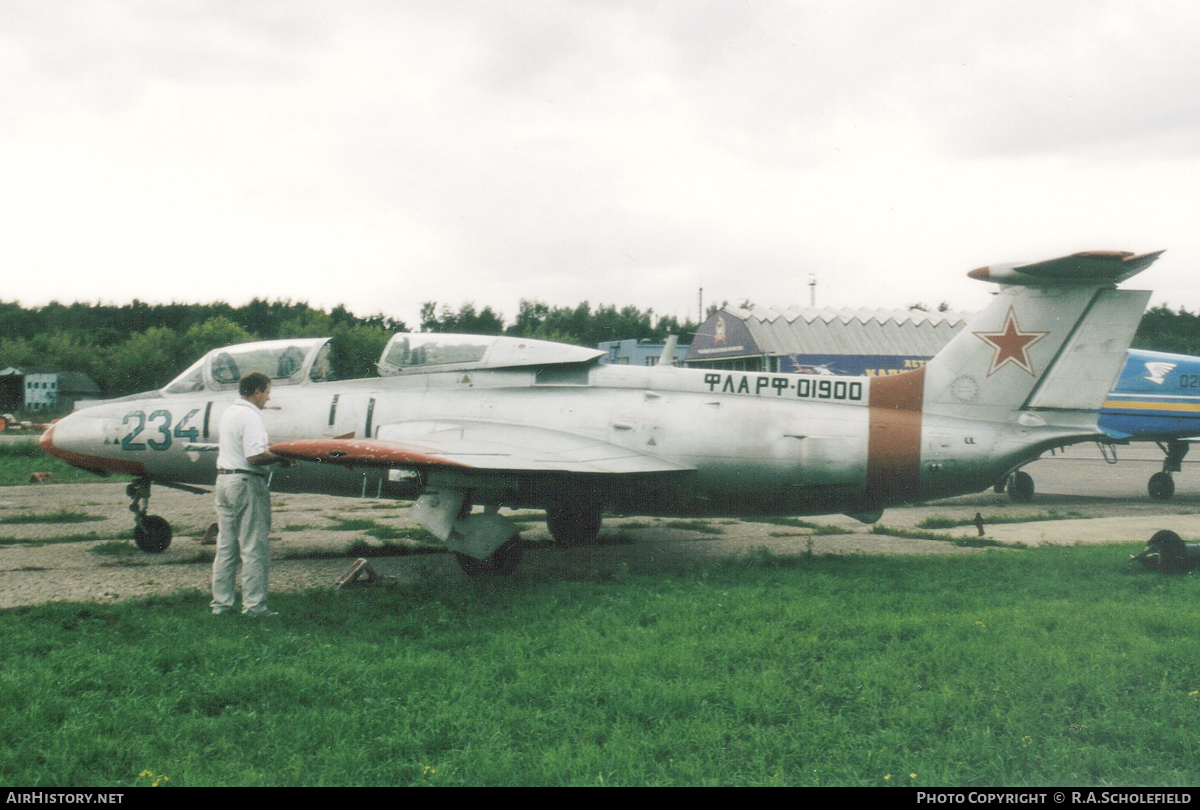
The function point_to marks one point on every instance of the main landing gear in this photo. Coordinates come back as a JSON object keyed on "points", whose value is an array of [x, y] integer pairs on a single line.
{"points": [[574, 525], [151, 532], [568, 525], [483, 542], [1019, 485], [501, 562], [1161, 485], [487, 542]]}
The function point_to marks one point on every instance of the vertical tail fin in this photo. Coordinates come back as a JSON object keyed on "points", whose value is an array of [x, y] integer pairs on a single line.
{"points": [[1054, 337]]}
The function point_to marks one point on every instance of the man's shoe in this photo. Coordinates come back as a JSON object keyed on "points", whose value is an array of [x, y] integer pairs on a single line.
{"points": [[262, 613], [220, 611]]}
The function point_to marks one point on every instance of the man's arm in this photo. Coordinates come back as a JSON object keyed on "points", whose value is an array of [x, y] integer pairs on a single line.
{"points": [[267, 457]]}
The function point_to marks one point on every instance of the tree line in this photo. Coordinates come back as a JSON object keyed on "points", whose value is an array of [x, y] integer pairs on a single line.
{"points": [[1164, 330], [581, 325], [139, 346]]}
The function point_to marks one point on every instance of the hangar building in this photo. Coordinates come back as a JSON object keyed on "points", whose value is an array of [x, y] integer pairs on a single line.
{"points": [[854, 342], [37, 389]]}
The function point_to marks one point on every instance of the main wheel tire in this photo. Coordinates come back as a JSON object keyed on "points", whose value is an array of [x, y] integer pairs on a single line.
{"points": [[1020, 487], [1172, 550], [574, 525], [1161, 486], [502, 562], [152, 534]]}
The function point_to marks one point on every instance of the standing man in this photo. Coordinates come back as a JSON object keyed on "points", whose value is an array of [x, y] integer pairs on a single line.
{"points": [[243, 500]]}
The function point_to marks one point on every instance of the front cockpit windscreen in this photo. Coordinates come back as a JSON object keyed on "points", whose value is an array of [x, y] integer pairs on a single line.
{"points": [[189, 381], [286, 362]]}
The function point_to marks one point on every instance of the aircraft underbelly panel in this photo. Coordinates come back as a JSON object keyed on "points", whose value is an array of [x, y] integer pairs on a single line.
{"points": [[832, 460]]}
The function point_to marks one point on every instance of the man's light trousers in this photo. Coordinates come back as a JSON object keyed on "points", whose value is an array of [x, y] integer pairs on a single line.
{"points": [[244, 519]]}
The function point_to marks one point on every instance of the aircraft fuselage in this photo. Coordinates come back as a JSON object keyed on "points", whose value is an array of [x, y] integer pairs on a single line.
{"points": [[750, 443]]}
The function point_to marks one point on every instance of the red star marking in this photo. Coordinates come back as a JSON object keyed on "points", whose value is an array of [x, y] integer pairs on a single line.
{"points": [[1011, 345]]}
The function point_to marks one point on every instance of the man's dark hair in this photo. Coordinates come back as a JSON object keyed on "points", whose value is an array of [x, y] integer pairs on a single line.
{"points": [[252, 382]]}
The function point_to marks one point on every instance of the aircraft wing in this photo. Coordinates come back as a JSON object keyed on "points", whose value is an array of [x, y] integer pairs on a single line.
{"points": [[480, 446]]}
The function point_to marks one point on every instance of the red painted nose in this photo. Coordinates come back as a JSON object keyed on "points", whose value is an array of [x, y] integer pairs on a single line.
{"points": [[46, 442]]}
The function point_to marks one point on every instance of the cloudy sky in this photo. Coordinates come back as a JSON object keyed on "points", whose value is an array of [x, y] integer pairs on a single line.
{"points": [[381, 154]]}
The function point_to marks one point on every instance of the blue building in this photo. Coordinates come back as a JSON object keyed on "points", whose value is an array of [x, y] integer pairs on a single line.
{"points": [[638, 352]]}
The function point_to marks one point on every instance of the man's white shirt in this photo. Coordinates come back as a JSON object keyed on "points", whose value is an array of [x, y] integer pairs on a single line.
{"points": [[243, 436]]}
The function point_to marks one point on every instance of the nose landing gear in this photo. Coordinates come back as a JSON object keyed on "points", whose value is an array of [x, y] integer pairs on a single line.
{"points": [[151, 532], [1162, 486]]}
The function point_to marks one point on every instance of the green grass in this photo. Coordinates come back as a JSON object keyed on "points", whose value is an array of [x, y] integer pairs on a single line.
{"points": [[380, 531], [819, 528], [19, 460], [937, 522], [361, 548], [415, 533], [84, 537], [964, 542], [341, 524], [1054, 666], [61, 516], [118, 549]]}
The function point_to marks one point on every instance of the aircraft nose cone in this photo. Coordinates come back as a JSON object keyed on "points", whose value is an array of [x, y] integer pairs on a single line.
{"points": [[980, 273], [46, 442], [80, 440]]}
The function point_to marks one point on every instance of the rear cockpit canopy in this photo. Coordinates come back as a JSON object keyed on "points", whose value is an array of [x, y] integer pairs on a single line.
{"points": [[430, 352], [286, 362]]}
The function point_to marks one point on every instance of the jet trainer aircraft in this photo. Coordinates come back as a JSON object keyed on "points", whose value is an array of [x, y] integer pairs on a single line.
{"points": [[455, 422], [1157, 398]]}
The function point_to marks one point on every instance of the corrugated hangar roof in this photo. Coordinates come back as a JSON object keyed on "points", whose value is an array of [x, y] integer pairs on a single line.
{"points": [[807, 330]]}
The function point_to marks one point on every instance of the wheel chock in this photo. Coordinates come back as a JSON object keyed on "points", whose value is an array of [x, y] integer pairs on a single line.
{"points": [[361, 573], [210, 535], [41, 478]]}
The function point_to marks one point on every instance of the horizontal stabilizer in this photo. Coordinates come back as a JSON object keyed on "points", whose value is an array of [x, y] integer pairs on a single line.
{"points": [[1088, 268], [466, 444]]}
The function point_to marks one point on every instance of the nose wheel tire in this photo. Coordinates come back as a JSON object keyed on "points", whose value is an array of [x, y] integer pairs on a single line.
{"points": [[152, 534], [1161, 486]]}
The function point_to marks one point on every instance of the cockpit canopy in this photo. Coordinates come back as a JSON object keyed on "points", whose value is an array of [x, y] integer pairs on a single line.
{"points": [[294, 362], [286, 362], [426, 352]]}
